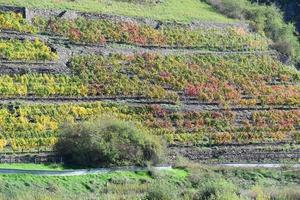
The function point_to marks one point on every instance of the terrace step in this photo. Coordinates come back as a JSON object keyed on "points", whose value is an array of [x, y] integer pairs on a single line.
{"points": [[242, 154], [24, 67], [30, 13], [141, 101], [62, 43]]}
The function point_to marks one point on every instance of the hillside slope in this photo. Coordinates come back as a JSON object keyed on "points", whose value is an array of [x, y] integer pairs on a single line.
{"points": [[211, 89], [187, 10], [198, 85]]}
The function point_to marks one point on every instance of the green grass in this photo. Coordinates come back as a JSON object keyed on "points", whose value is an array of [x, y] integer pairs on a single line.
{"points": [[78, 187], [179, 10], [134, 185], [30, 166]]}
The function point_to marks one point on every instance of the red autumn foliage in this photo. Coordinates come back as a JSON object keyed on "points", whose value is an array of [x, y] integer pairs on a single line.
{"points": [[192, 90], [164, 74], [132, 31], [157, 111], [149, 57], [102, 39], [74, 34], [216, 115]]}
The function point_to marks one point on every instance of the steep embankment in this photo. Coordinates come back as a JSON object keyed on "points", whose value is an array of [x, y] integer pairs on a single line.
{"points": [[165, 10], [209, 89]]}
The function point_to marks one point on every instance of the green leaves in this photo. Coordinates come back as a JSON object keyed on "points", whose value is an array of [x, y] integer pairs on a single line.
{"points": [[26, 50], [41, 85], [102, 31], [16, 22]]}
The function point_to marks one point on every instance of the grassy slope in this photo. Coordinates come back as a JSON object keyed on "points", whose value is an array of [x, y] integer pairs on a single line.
{"points": [[60, 187], [30, 166], [74, 187], [131, 183], [180, 10]]}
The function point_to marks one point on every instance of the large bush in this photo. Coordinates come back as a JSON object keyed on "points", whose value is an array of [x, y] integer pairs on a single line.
{"points": [[107, 143], [264, 19]]}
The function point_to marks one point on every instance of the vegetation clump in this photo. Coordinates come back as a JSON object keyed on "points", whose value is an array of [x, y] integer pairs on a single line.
{"points": [[103, 31], [264, 19], [107, 142], [15, 22], [35, 127], [26, 50]]}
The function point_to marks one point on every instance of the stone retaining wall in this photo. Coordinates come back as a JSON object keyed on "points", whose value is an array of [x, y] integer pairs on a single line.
{"points": [[30, 158], [21, 10], [268, 153], [238, 153]]}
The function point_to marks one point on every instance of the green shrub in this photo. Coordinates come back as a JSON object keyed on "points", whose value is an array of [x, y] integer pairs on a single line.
{"points": [[107, 142], [216, 189], [264, 19], [231, 8], [287, 193], [290, 192], [296, 137], [162, 190]]}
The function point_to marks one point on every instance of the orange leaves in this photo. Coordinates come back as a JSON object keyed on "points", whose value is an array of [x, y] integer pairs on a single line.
{"points": [[131, 32], [277, 120], [157, 111], [222, 138], [213, 90], [192, 90], [281, 94], [240, 31], [74, 34]]}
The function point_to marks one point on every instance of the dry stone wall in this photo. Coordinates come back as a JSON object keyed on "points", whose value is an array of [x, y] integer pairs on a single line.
{"points": [[30, 158], [263, 153], [268, 153]]}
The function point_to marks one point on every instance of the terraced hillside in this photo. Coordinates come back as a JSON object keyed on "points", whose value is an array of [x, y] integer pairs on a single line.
{"points": [[187, 10], [212, 90]]}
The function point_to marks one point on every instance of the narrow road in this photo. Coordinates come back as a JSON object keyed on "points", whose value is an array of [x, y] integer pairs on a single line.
{"points": [[77, 172]]}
